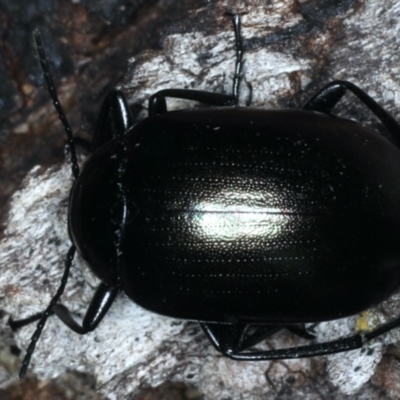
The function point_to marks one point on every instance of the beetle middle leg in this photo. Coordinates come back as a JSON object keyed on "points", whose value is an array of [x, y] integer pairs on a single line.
{"points": [[327, 98]]}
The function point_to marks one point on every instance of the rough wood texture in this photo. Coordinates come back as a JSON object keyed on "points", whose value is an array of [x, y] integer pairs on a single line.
{"points": [[292, 49]]}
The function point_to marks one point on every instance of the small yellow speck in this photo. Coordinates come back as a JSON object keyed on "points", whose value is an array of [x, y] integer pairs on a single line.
{"points": [[362, 322]]}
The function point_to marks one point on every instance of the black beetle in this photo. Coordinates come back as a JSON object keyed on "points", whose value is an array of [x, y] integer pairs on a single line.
{"points": [[245, 220]]}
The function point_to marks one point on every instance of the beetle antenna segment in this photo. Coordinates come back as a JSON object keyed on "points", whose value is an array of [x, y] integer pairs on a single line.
{"points": [[239, 57], [53, 94], [49, 310]]}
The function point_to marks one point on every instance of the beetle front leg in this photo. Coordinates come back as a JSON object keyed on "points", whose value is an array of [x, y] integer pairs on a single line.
{"points": [[327, 98], [100, 304], [98, 307]]}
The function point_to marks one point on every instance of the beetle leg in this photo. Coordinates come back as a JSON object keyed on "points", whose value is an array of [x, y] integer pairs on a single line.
{"points": [[20, 323], [240, 337], [223, 339], [237, 336], [257, 336], [222, 336], [100, 304], [265, 331], [318, 349], [115, 119], [46, 313], [300, 330], [158, 105], [326, 99]]}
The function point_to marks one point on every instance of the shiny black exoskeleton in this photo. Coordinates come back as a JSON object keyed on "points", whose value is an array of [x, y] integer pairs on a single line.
{"points": [[246, 220]]}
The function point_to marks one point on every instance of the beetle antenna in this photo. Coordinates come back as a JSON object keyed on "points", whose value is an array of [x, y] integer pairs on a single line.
{"points": [[239, 56], [46, 313], [53, 94]]}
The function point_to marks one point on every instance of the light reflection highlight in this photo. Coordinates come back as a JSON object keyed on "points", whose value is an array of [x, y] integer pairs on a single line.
{"points": [[234, 216]]}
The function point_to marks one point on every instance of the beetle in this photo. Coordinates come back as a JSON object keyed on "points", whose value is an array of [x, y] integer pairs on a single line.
{"points": [[245, 220]]}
